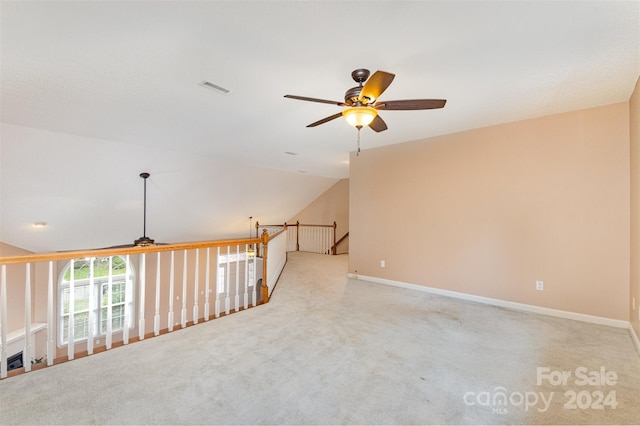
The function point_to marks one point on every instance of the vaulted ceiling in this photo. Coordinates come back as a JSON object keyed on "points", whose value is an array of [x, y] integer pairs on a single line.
{"points": [[93, 93]]}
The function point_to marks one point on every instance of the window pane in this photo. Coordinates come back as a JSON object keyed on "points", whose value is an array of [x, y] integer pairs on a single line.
{"points": [[65, 328], [81, 299], [117, 318], [117, 322], [80, 326], [81, 268], [220, 280], [65, 301], [118, 291]]}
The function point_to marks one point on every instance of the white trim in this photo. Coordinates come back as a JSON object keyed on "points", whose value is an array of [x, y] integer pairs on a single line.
{"points": [[18, 335], [634, 338], [501, 303]]}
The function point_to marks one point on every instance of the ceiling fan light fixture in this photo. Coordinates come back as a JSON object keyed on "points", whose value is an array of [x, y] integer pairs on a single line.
{"points": [[360, 116]]}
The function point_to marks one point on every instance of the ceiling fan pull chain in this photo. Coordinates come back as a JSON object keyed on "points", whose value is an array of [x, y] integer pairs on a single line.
{"points": [[359, 128]]}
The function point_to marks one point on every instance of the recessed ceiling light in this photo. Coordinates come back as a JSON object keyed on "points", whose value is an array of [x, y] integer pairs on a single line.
{"points": [[214, 87], [39, 224]]}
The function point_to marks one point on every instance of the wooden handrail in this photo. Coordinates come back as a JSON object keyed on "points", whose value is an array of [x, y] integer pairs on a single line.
{"points": [[334, 249], [77, 254], [298, 224], [343, 237]]}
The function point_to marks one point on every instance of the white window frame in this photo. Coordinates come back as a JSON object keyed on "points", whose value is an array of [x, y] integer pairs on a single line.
{"points": [[97, 306], [230, 259]]}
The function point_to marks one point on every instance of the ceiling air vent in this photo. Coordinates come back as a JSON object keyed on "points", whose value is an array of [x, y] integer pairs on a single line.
{"points": [[215, 87]]}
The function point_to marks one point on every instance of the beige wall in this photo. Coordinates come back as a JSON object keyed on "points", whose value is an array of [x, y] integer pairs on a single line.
{"points": [[634, 121], [16, 278], [488, 212], [333, 205]]}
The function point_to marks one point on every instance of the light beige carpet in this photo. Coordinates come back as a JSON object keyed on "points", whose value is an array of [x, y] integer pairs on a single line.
{"points": [[330, 350]]}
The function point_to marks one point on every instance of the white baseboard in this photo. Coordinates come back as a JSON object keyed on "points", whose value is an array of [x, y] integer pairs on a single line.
{"points": [[634, 338], [501, 303]]}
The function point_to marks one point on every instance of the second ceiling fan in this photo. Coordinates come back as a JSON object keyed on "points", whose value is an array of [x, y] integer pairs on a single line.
{"points": [[362, 101]]}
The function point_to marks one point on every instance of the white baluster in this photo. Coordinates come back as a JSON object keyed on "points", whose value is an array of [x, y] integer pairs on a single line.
{"points": [[206, 287], [109, 336], [50, 318], [26, 354], [217, 304], [327, 246], [156, 318], [254, 293], [3, 323], [171, 284], [236, 299], [143, 275], [127, 302], [195, 287], [227, 300], [245, 303], [92, 308], [184, 291], [72, 294]]}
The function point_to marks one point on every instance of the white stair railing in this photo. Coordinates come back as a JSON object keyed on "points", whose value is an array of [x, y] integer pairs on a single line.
{"points": [[103, 316], [305, 237]]}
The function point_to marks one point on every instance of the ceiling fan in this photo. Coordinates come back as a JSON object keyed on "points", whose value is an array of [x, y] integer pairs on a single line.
{"points": [[362, 101], [143, 241]]}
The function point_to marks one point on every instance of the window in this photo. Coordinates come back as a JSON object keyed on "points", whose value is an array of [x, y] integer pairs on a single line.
{"points": [[241, 257], [102, 289]]}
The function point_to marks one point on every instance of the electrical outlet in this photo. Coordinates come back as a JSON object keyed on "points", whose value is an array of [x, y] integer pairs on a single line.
{"points": [[539, 285], [382, 263]]}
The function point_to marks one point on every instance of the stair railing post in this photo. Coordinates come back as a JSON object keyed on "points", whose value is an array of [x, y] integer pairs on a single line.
{"points": [[265, 287], [257, 245], [333, 250]]}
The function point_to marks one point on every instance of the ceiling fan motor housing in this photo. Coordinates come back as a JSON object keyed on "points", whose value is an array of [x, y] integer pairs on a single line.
{"points": [[351, 96]]}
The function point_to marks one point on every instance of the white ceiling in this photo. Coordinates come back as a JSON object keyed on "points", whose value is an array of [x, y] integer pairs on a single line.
{"points": [[92, 93]]}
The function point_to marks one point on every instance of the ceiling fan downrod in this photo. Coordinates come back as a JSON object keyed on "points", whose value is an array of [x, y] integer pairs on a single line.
{"points": [[144, 241]]}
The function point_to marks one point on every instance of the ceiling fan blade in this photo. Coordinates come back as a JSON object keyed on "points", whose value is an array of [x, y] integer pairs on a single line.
{"points": [[375, 85], [322, 101], [119, 246], [378, 124], [411, 104], [326, 119]]}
